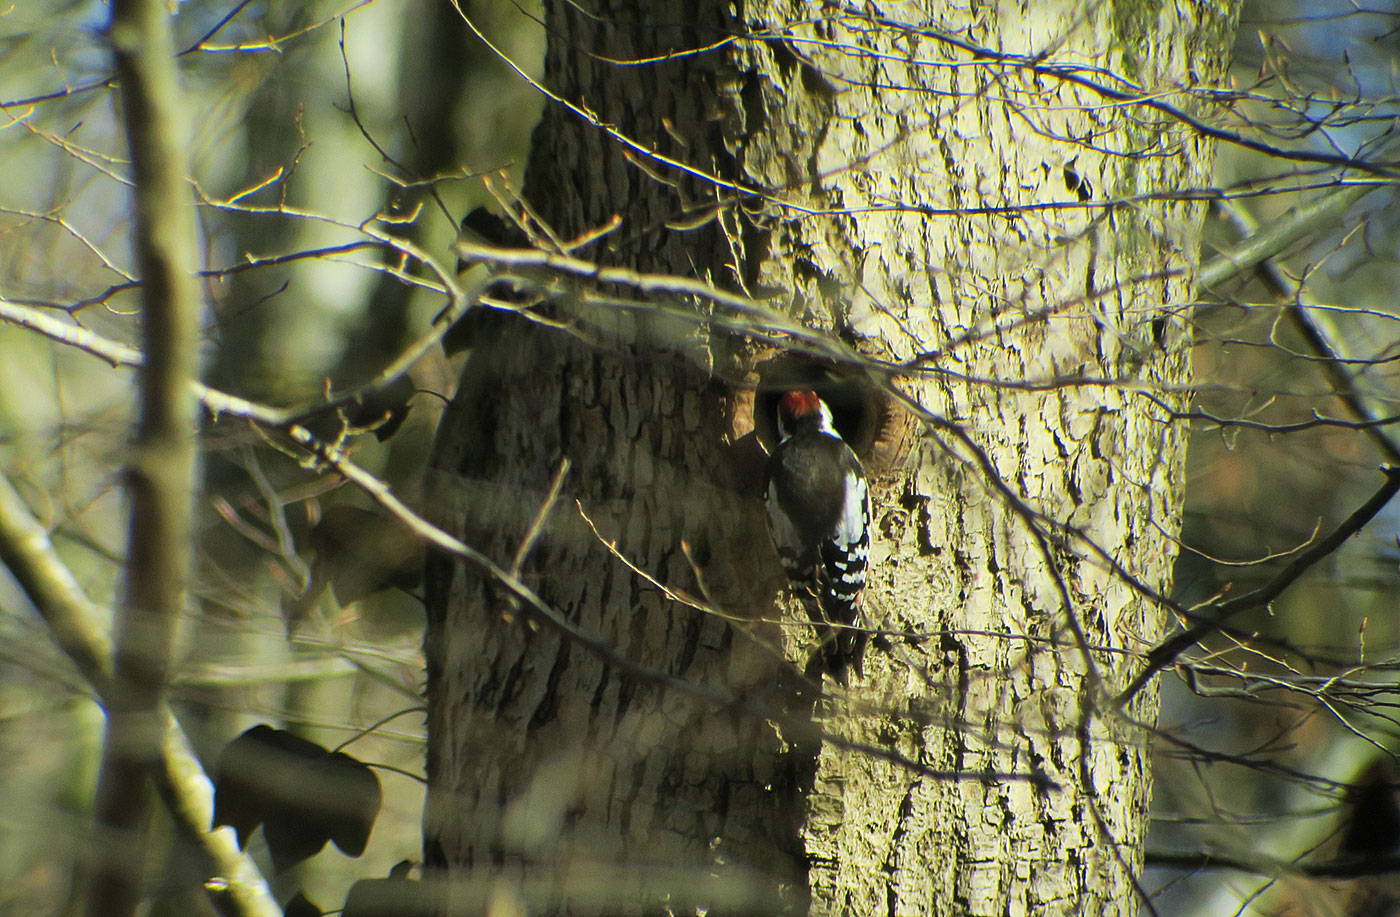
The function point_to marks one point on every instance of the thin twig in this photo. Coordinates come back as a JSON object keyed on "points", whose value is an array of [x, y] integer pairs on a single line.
{"points": [[1314, 325], [549, 617], [1164, 654], [527, 544]]}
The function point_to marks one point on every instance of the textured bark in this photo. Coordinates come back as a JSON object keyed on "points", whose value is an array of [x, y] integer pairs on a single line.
{"points": [[542, 757], [876, 160]]}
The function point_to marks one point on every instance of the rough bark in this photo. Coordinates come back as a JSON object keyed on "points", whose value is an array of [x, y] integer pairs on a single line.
{"points": [[898, 212]]}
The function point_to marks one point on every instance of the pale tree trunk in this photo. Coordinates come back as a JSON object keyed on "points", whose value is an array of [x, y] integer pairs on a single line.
{"points": [[896, 215]]}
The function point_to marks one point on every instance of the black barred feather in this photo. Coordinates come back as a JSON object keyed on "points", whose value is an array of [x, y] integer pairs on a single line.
{"points": [[819, 512]]}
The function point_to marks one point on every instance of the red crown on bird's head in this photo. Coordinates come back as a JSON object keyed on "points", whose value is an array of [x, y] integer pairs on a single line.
{"points": [[799, 403]]}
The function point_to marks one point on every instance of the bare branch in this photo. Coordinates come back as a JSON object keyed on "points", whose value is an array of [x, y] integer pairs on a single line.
{"points": [[1326, 869], [1166, 653], [1299, 223]]}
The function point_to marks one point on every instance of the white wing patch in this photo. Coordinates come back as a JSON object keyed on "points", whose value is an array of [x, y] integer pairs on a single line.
{"points": [[851, 540]]}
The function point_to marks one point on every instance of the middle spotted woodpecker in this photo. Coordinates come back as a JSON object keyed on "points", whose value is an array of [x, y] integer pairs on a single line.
{"points": [[819, 513]]}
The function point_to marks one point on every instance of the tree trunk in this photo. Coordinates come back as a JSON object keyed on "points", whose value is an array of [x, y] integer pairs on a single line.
{"points": [[883, 183]]}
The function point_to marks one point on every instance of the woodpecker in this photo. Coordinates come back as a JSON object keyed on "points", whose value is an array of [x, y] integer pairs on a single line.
{"points": [[819, 514]]}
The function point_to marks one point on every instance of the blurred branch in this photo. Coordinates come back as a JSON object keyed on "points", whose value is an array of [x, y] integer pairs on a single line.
{"points": [[1313, 324], [75, 624], [1260, 245], [1296, 427], [1165, 653], [72, 619], [757, 317], [271, 43], [753, 316], [161, 472], [1350, 868], [121, 355]]}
